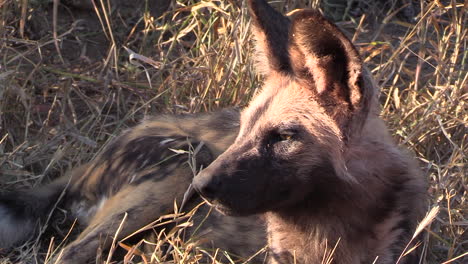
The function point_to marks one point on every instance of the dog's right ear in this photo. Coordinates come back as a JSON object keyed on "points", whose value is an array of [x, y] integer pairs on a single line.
{"points": [[271, 31]]}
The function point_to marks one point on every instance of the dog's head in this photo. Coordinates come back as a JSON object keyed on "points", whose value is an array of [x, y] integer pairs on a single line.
{"points": [[293, 133]]}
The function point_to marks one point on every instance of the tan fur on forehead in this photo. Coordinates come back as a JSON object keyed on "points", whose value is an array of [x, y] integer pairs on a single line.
{"points": [[283, 101]]}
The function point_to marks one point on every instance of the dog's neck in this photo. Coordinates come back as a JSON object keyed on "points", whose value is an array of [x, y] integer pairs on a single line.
{"points": [[305, 236], [346, 215]]}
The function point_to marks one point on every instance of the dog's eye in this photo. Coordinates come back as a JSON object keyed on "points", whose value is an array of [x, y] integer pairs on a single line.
{"points": [[284, 137]]}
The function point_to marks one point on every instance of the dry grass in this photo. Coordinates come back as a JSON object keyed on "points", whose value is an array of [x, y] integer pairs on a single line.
{"points": [[67, 86]]}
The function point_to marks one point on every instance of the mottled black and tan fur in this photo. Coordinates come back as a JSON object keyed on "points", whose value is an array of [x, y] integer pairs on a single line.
{"points": [[138, 175]]}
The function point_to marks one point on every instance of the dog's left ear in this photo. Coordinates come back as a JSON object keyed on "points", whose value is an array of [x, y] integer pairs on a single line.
{"points": [[271, 32], [325, 60]]}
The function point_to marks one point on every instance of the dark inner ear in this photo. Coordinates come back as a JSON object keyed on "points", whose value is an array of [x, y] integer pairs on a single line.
{"points": [[271, 30], [324, 57]]}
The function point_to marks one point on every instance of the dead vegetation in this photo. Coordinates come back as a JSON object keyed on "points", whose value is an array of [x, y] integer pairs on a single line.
{"points": [[67, 86]]}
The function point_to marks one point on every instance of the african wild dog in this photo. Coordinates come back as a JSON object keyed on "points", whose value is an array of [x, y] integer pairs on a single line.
{"points": [[310, 154]]}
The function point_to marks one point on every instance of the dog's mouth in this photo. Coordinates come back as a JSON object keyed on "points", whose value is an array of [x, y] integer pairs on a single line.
{"points": [[224, 210], [228, 210]]}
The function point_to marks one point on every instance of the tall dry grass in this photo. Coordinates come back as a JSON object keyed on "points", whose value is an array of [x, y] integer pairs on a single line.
{"points": [[67, 86]]}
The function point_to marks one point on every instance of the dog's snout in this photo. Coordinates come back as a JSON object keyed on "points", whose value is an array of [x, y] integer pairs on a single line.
{"points": [[206, 185]]}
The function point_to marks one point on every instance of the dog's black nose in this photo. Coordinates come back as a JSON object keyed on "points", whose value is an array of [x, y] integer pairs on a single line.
{"points": [[206, 184]]}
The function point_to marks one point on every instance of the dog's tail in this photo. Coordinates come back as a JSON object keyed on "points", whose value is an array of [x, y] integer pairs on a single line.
{"points": [[21, 212]]}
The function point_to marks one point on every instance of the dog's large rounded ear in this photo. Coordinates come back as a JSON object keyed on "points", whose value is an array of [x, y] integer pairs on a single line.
{"points": [[324, 59], [271, 31]]}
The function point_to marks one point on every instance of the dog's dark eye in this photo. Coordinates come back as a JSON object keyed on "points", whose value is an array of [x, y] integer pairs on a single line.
{"points": [[285, 137], [281, 136]]}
